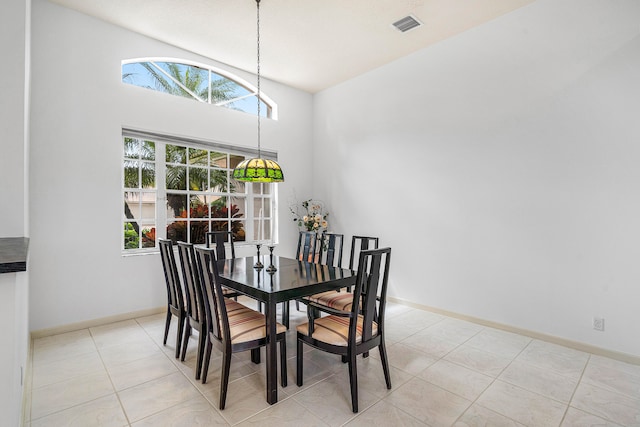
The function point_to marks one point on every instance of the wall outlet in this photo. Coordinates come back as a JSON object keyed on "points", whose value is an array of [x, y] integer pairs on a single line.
{"points": [[598, 323]]}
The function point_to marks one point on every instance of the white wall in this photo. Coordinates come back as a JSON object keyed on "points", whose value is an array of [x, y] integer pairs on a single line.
{"points": [[14, 335], [78, 110], [13, 47], [14, 287], [502, 168]]}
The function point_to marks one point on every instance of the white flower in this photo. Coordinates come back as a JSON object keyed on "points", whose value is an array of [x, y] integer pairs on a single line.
{"points": [[318, 217], [325, 224], [305, 218]]}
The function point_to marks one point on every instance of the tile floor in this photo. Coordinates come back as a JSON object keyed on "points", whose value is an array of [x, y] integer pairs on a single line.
{"points": [[445, 372]]}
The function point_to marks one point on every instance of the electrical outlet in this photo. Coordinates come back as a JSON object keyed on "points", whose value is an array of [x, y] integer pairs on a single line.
{"points": [[598, 324]]}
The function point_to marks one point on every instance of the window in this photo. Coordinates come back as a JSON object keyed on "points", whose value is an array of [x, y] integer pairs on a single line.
{"points": [[140, 193], [197, 82], [181, 189]]}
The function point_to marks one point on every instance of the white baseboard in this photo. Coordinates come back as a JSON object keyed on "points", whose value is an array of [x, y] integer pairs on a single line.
{"points": [[95, 322], [623, 357], [26, 388]]}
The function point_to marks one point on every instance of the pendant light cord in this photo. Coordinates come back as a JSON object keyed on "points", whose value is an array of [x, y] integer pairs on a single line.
{"points": [[258, 73]]}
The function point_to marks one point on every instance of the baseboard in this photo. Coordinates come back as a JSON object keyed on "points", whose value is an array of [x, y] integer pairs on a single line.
{"points": [[95, 322], [588, 348], [27, 388]]}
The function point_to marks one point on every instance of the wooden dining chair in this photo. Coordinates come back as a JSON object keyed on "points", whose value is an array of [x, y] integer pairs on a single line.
{"points": [[196, 318], [307, 246], [306, 251], [340, 299], [175, 296], [357, 330], [330, 247], [232, 327], [220, 240]]}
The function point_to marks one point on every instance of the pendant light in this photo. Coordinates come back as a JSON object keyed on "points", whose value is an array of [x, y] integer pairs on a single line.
{"points": [[258, 169]]}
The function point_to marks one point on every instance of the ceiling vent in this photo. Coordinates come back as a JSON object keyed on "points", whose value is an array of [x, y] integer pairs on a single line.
{"points": [[407, 23]]}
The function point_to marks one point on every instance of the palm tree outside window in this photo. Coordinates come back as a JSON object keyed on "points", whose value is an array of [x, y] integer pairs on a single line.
{"points": [[197, 82]]}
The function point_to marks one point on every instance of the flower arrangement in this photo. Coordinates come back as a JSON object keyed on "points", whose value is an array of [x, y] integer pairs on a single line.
{"points": [[310, 216]]}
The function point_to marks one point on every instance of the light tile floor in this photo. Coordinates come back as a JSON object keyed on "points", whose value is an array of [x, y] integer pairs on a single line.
{"points": [[445, 372]]}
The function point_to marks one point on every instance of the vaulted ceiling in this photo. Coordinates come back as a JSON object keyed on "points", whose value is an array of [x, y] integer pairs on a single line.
{"points": [[307, 44]]}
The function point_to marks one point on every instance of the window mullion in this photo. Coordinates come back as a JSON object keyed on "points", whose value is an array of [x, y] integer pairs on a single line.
{"points": [[209, 91], [244, 194], [250, 235], [173, 79], [161, 191]]}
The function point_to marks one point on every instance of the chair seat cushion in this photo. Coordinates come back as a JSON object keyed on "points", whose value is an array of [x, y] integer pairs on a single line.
{"points": [[246, 324], [233, 306], [334, 299], [334, 330]]}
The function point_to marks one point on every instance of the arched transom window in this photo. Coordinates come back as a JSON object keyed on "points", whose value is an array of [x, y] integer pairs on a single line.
{"points": [[198, 82]]}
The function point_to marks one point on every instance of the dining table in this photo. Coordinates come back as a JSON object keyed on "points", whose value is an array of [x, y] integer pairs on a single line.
{"points": [[280, 279]]}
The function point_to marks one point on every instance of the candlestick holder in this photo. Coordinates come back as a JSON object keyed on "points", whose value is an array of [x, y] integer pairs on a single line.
{"points": [[258, 264], [272, 268]]}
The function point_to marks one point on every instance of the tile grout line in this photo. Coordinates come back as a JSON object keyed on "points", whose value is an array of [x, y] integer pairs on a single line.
{"points": [[497, 378], [173, 361], [126, 416], [575, 389], [88, 401]]}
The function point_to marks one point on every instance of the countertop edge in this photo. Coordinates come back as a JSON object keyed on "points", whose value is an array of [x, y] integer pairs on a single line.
{"points": [[13, 254]]}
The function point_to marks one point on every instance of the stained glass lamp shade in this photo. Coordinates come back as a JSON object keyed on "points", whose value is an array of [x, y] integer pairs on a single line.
{"points": [[258, 170]]}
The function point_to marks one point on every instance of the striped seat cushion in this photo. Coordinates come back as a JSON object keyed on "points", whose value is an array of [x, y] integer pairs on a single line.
{"points": [[246, 324], [334, 330], [334, 299], [233, 306]]}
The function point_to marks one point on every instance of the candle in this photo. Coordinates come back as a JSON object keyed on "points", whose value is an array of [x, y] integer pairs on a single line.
{"points": [[271, 231], [260, 226]]}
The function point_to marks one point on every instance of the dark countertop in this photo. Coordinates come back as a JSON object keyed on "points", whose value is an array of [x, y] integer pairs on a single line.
{"points": [[13, 254]]}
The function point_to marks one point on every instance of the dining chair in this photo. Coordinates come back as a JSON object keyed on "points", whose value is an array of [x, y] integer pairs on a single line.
{"points": [[175, 296], [196, 318], [339, 299], [307, 244], [220, 239], [232, 327], [330, 249], [357, 330], [307, 250]]}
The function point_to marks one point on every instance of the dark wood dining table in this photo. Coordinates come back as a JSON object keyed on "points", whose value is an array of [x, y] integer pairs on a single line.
{"points": [[292, 279]]}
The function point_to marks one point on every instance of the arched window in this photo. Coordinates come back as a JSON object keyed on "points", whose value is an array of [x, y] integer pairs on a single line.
{"points": [[198, 82]]}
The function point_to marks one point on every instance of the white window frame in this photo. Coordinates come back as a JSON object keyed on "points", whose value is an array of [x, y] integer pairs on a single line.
{"points": [[251, 220], [272, 107]]}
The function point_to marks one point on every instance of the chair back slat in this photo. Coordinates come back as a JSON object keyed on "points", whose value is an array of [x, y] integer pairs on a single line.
{"points": [[215, 307], [330, 249], [191, 280], [218, 239], [307, 246], [172, 279], [358, 244], [371, 288]]}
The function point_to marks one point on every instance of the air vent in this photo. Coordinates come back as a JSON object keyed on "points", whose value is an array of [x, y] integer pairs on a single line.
{"points": [[407, 23]]}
